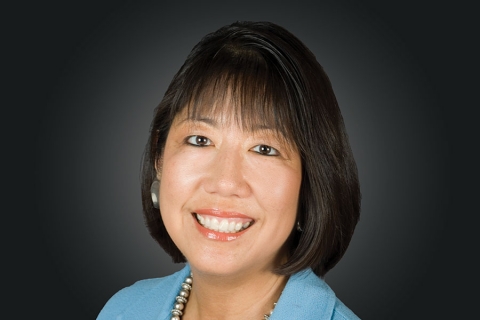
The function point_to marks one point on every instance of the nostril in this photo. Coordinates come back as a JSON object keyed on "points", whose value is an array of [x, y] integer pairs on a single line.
{"points": [[226, 187]]}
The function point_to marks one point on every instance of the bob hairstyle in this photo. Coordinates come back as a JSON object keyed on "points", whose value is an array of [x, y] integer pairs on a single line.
{"points": [[269, 77]]}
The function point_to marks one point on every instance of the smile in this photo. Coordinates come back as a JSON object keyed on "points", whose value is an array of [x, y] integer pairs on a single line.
{"points": [[223, 225]]}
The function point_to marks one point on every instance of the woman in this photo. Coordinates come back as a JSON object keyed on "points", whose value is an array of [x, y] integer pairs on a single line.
{"points": [[249, 178]]}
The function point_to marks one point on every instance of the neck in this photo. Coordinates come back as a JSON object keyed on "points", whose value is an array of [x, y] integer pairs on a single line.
{"points": [[247, 296]]}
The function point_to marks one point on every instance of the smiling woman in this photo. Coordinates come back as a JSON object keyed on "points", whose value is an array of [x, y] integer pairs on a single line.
{"points": [[216, 172], [249, 179]]}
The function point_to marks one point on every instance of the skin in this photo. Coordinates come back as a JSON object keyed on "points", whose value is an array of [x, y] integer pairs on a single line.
{"points": [[212, 163]]}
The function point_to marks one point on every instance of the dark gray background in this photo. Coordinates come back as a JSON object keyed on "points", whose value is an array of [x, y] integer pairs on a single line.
{"points": [[84, 78]]}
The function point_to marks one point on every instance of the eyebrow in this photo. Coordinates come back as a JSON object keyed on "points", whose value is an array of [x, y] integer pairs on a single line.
{"points": [[214, 123]]}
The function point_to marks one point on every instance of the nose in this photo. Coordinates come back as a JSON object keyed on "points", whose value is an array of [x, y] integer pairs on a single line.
{"points": [[226, 174]]}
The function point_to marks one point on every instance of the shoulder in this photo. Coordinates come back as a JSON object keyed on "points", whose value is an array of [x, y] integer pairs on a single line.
{"points": [[307, 296], [342, 312], [149, 296]]}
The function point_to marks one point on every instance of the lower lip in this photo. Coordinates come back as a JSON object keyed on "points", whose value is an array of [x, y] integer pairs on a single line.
{"points": [[219, 236]]}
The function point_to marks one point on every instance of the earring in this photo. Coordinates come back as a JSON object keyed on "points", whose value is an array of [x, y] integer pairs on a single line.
{"points": [[154, 189], [299, 228]]}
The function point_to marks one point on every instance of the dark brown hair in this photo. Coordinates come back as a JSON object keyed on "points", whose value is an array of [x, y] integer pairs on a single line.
{"points": [[272, 77]]}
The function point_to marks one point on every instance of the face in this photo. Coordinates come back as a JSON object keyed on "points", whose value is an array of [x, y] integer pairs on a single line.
{"points": [[228, 197]]}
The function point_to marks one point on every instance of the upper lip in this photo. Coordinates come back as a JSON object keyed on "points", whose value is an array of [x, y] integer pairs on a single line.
{"points": [[221, 213]]}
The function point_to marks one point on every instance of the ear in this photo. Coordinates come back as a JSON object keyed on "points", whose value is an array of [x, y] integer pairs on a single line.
{"points": [[158, 167]]}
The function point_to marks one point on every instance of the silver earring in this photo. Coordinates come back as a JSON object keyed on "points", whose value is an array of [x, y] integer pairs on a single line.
{"points": [[299, 229], [154, 189]]}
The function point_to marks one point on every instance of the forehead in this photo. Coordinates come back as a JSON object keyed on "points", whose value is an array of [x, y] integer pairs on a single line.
{"points": [[228, 112]]}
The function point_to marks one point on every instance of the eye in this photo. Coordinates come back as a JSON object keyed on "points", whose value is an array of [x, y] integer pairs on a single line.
{"points": [[198, 141], [265, 150]]}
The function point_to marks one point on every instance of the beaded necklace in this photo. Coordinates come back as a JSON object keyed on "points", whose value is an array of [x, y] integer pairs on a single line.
{"points": [[182, 298]]}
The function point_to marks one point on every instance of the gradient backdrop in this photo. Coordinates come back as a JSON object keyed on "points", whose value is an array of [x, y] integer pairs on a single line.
{"points": [[95, 71]]}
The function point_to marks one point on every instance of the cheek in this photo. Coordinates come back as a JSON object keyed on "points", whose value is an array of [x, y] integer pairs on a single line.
{"points": [[176, 187], [177, 176], [278, 190], [181, 174]]}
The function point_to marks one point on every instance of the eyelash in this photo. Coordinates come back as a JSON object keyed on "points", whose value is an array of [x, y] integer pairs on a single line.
{"points": [[261, 149], [271, 151], [193, 140]]}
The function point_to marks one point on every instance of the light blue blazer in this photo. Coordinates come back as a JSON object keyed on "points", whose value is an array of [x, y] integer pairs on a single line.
{"points": [[305, 296]]}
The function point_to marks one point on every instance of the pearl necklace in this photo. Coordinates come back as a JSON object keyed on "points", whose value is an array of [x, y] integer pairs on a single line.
{"points": [[181, 300]]}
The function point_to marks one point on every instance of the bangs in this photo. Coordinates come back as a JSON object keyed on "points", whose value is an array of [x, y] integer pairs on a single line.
{"points": [[260, 77], [241, 85]]}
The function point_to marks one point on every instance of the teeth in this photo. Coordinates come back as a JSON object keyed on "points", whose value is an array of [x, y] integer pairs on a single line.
{"points": [[238, 226], [214, 224], [223, 225]]}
